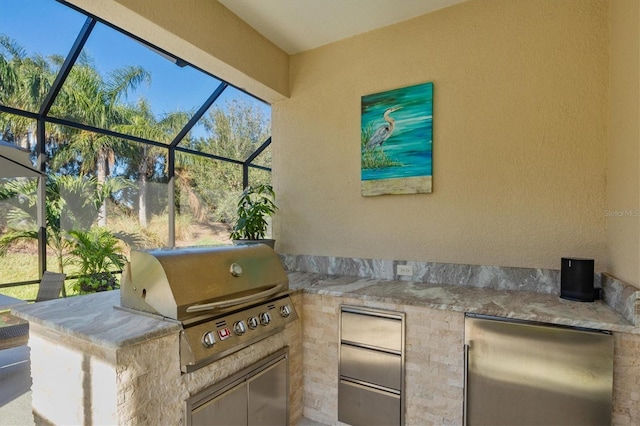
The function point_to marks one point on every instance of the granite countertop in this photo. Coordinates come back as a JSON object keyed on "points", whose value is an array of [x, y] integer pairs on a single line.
{"points": [[532, 306], [96, 319]]}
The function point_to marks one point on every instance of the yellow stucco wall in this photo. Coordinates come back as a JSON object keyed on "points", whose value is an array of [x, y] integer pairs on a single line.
{"points": [[520, 132], [623, 176], [532, 147]]}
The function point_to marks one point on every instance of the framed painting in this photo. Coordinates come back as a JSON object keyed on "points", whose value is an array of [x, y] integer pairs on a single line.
{"points": [[396, 141]]}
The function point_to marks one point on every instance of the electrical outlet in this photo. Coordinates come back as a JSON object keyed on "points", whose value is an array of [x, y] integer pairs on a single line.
{"points": [[406, 270]]}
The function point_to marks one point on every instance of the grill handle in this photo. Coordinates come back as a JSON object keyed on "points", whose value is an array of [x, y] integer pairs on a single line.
{"points": [[237, 301]]}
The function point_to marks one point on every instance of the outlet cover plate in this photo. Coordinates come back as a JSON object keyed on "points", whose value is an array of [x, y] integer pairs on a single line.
{"points": [[404, 270]]}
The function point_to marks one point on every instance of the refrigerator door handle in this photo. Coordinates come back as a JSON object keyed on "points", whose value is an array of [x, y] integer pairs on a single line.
{"points": [[465, 385]]}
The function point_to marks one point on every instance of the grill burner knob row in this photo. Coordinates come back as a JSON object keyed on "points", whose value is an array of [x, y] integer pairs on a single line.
{"points": [[208, 339], [265, 318], [253, 323], [285, 311], [239, 328]]}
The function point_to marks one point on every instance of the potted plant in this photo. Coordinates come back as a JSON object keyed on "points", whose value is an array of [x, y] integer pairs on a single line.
{"points": [[255, 205]]}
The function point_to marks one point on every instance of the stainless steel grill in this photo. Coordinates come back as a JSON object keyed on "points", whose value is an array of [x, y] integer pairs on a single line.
{"points": [[226, 298]]}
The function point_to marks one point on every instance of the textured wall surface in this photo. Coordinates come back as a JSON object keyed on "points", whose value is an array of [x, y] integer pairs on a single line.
{"points": [[64, 388], [434, 366], [535, 156], [320, 358], [519, 145], [626, 380], [148, 383], [623, 172]]}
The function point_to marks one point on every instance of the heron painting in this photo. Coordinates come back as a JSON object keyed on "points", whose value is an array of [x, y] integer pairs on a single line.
{"points": [[396, 141]]}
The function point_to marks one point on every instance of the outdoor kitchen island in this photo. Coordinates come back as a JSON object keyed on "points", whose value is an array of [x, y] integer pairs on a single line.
{"points": [[435, 323], [92, 363], [434, 300]]}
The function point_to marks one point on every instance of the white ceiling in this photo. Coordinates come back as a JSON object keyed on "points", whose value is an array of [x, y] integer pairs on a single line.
{"points": [[299, 25]]}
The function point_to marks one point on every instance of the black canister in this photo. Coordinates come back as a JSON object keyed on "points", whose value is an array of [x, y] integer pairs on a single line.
{"points": [[576, 279]]}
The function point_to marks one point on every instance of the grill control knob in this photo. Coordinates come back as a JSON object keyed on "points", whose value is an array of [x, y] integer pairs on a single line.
{"points": [[253, 323], [235, 270], [285, 311], [208, 339], [265, 318], [239, 328]]}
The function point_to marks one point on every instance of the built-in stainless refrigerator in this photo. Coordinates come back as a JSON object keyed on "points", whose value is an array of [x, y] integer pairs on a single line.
{"points": [[523, 373]]}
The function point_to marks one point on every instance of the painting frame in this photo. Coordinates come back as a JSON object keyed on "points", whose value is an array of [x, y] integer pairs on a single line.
{"points": [[396, 141]]}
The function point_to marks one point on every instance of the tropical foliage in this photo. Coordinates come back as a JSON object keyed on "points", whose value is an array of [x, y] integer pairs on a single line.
{"points": [[235, 132], [254, 207], [96, 253], [104, 194]]}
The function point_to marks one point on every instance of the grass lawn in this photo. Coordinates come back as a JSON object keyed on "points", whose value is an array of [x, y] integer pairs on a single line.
{"points": [[17, 267], [21, 262]]}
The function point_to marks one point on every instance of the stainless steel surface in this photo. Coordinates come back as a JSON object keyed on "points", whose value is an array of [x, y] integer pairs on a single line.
{"points": [[360, 405], [202, 343], [366, 329], [167, 282], [258, 395], [225, 298], [268, 396], [531, 374], [466, 388], [227, 409], [237, 300], [372, 366], [371, 370]]}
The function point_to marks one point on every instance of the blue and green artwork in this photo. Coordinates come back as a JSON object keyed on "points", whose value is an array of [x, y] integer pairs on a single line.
{"points": [[396, 141]]}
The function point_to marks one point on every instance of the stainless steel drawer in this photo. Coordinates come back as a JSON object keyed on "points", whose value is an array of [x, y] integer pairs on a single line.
{"points": [[378, 331], [376, 367], [361, 405]]}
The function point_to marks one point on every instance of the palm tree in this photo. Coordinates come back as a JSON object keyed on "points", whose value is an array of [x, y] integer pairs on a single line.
{"points": [[25, 83], [141, 122], [25, 80], [88, 98], [10, 56]]}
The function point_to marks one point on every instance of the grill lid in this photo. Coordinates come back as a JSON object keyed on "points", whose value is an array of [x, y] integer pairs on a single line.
{"points": [[181, 283]]}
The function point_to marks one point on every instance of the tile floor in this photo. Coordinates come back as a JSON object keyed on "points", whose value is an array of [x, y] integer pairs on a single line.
{"points": [[15, 382], [17, 412]]}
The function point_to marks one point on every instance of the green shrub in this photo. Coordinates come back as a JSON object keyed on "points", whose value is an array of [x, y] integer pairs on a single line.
{"points": [[96, 253], [254, 207], [93, 283]]}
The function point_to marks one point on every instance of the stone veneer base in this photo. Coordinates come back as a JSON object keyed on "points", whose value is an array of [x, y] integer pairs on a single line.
{"points": [[79, 382], [434, 381]]}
